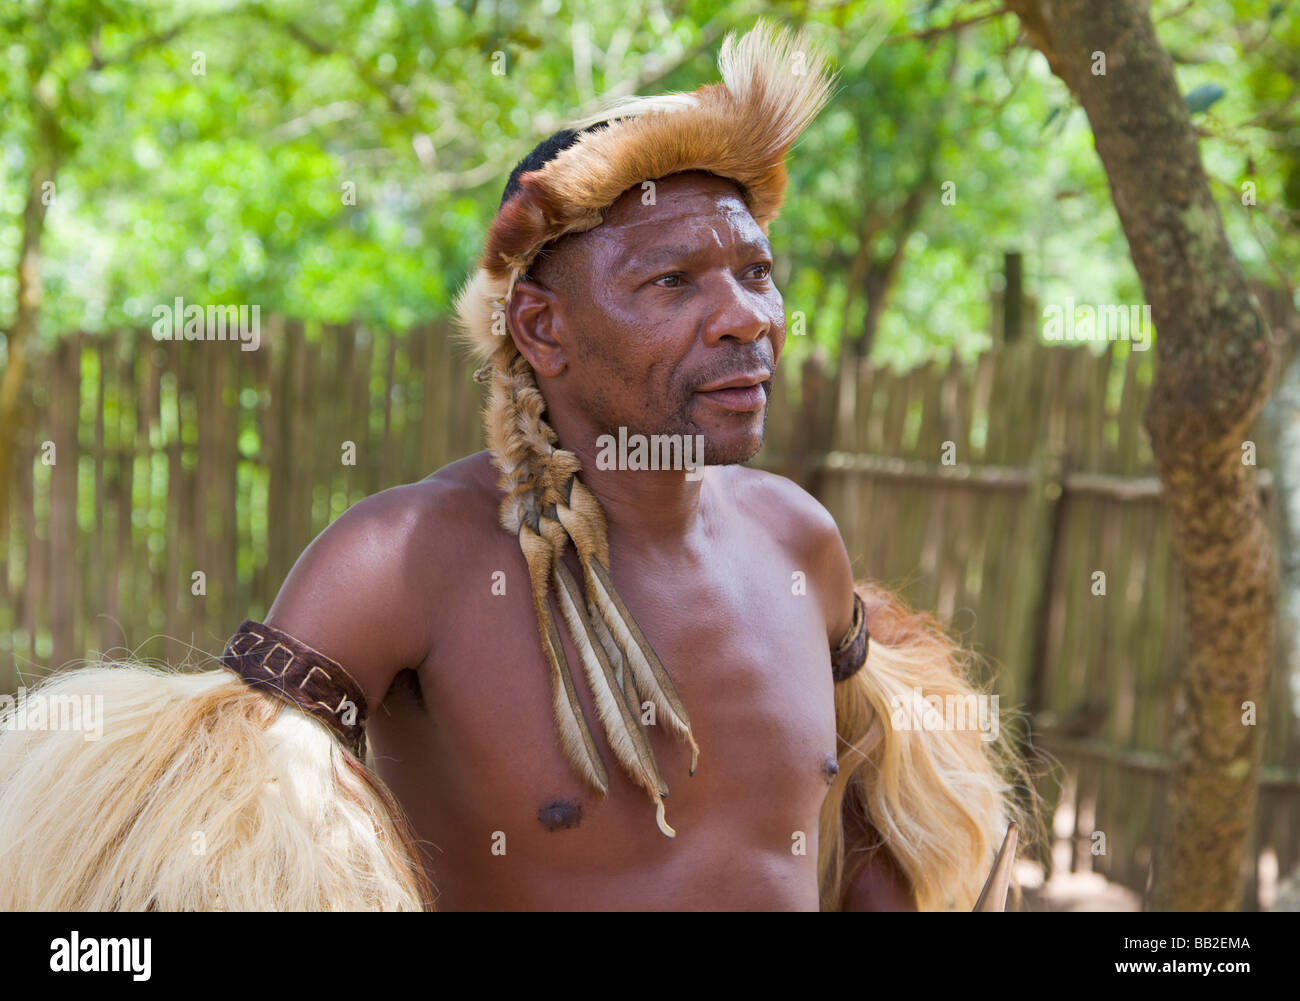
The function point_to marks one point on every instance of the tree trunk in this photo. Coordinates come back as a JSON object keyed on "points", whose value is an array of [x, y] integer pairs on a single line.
{"points": [[881, 273], [24, 325], [1214, 368]]}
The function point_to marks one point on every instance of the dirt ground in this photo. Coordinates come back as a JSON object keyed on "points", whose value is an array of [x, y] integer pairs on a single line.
{"points": [[1071, 891]]}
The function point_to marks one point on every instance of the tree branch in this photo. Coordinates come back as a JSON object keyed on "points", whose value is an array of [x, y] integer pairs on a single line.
{"points": [[141, 45], [393, 94], [947, 29]]}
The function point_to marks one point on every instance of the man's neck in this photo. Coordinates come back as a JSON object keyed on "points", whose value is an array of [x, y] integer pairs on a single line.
{"points": [[650, 506]]}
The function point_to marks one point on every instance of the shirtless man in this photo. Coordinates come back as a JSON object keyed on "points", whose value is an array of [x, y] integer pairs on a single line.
{"points": [[630, 324], [594, 310], [626, 284]]}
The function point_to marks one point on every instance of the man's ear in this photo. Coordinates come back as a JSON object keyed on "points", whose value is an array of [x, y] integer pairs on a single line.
{"points": [[538, 327]]}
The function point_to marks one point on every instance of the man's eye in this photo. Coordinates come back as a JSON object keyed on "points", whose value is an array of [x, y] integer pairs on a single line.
{"points": [[668, 278], [762, 270]]}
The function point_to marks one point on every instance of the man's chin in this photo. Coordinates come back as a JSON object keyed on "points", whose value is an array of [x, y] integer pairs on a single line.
{"points": [[731, 445], [728, 437]]}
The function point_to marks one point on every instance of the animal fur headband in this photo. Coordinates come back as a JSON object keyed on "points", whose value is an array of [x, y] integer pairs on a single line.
{"points": [[773, 84]]}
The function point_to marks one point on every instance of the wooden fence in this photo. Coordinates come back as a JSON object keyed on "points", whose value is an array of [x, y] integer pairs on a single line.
{"points": [[174, 457], [992, 494], [995, 494]]}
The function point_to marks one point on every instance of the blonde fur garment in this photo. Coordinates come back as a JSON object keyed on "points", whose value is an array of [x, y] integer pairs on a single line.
{"points": [[201, 794], [937, 800]]}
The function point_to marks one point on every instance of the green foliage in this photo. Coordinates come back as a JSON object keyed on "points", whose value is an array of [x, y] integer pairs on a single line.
{"points": [[335, 160]]}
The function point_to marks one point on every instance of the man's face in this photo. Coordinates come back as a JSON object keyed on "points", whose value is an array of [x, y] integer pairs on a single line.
{"points": [[674, 324]]}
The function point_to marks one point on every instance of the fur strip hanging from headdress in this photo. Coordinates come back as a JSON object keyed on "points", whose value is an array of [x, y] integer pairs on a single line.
{"points": [[773, 84]]}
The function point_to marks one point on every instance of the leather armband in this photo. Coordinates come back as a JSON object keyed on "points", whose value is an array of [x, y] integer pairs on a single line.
{"points": [[847, 658], [272, 660]]}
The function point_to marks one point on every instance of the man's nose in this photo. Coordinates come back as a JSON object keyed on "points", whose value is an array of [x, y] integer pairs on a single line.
{"points": [[737, 314]]}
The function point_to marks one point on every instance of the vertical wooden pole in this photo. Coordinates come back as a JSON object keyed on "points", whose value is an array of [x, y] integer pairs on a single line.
{"points": [[64, 410], [1013, 297]]}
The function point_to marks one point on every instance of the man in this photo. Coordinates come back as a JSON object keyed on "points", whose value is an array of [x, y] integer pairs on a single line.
{"points": [[627, 288]]}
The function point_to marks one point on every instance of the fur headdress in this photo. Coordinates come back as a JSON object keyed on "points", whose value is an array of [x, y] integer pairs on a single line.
{"points": [[773, 84]]}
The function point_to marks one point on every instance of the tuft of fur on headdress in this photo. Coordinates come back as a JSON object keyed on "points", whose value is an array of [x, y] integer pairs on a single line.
{"points": [[197, 792], [773, 84]]}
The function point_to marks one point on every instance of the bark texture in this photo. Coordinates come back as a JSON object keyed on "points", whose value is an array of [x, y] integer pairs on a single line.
{"points": [[1214, 367], [45, 161]]}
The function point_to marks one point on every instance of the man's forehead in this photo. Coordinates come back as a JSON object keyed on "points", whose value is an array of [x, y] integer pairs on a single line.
{"points": [[681, 203]]}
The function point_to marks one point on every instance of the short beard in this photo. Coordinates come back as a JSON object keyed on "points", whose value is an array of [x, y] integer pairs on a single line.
{"points": [[607, 422], [738, 453]]}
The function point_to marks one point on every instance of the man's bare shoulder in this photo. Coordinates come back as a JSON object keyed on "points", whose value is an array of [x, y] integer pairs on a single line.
{"points": [[789, 507], [362, 590], [391, 533], [805, 529], [464, 490]]}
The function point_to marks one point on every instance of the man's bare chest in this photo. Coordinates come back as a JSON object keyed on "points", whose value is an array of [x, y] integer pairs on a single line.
{"points": [[745, 644]]}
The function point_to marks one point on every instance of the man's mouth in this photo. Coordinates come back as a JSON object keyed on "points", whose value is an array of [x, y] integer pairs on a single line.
{"points": [[745, 393]]}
